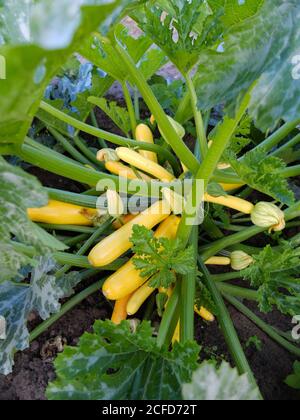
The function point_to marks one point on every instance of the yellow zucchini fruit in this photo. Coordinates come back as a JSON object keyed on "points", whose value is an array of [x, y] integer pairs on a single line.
{"points": [[120, 313], [116, 244], [231, 187], [59, 213], [127, 279], [205, 314], [140, 162], [218, 261], [144, 134], [121, 221], [118, 168], [232, 202], [139, 297]]}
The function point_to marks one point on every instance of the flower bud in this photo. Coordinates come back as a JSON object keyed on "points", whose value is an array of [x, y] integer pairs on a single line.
{"points": [[107, 155], [240, 260], [268, 215], [114, 203], [174, 200]]}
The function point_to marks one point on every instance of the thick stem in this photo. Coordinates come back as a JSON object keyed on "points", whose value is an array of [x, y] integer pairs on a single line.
{"points": [[87, 152], [170, 317], [236, 291], [200, 129], [68, 228], [288, 145], [227, 327], [113, 138], [270, 331], [208, 166], [130, 107], [187, 299], [102, 142], [169, 133]]}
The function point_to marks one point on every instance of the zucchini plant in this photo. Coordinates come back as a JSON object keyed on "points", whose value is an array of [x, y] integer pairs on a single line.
{"points": [[231, 121]]}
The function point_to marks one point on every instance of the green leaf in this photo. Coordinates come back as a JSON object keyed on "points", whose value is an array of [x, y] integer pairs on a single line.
{"points": [[260, 49], [18, 300], [262, 172], [222, 384], [119, 115], [216, 190], [151, 62], [256, 342], [275, 273], [176, 29], [160, 258], [115, 363], [293, 381], [24, 87]]}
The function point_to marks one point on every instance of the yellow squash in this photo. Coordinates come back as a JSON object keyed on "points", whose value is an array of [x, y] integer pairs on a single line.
{"points": [[118, 168], [144, 134], [120, 313], [127, 279], [59, 213], [232, 202], [116, 244]]}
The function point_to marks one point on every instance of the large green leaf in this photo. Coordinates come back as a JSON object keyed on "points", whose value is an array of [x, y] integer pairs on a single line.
{"points": [[30, 67], [260, 49], [116, 363], [18, 300], [222, 384]]}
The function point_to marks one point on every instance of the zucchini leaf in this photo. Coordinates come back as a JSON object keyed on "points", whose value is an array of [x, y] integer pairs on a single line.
{"points": [[115, 363], [17, 300], [262, 172], [293, 380], [160, 258], [30, 66], [275, 272], [260, 49], [119, 115], [20, 191], [219, 384]]}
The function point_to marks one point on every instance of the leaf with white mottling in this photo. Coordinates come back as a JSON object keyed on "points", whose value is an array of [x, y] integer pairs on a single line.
{"points": [[223, 384], [18, 300]]}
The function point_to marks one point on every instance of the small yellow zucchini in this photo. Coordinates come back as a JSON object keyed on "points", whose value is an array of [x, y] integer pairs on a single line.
{"points": [[120, 313], [138, 298], [116, 244], [232, 202], [140, 162], [59, 213], [118, 168], [231, 187], [144, 134], [127, 279], [205, 314], [218, 261]]}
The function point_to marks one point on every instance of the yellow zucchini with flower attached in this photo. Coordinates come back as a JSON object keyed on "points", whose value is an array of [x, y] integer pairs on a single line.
{"points": [[144, 134], [120, 313], [116, 244], [59, 213], [128, 279], [140, 162]]}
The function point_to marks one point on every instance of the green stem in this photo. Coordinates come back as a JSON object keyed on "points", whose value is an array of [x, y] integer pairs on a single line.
{"points": [[201, 134], [113, 138], [169, 133], [68, 147], [221, 139], [170, 317], [226, 276], [130, 107], [217, 246], [73, 198], [289, 145], [278, 136], [87, 152], [291, 171], [102, 142], [187, 299], [270, 331], [86, 246], [236, 291], [227, 327], [74, 301], [6, 149], [136, 104], [68, 228], [76, 240]]}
